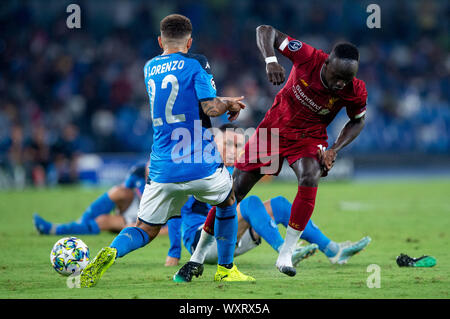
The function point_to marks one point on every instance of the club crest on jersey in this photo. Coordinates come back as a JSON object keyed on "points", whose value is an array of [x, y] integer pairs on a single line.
{"points": [[213, 84], [331, 102], [294, 45]]}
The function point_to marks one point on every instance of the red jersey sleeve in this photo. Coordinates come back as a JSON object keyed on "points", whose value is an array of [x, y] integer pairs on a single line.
{"points": [[357, 107], [296, 51]]}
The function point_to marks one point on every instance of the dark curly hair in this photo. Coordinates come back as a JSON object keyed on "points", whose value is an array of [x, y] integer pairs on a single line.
{"points": [[346, 50]]}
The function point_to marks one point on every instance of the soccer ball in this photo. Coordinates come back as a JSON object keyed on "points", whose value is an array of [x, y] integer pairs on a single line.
{"points": [[69, 256]]}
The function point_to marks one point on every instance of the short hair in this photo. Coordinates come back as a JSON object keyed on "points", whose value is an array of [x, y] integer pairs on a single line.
{"points": [[346, 50], [226, 126], [175, 26]]}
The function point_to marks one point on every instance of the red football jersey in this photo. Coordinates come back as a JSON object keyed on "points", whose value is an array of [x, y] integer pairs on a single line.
{"points": [[304, 106]]}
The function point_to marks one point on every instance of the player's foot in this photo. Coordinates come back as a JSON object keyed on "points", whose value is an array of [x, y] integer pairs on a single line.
{"points": [[97, 267], [285, 266], [348, 249], [303, 252], [233, 274], [287, 270], [42, 226], [188, 270]]}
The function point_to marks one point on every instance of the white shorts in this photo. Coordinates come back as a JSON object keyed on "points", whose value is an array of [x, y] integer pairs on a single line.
{"points": [[130, 214], [162, 201]]}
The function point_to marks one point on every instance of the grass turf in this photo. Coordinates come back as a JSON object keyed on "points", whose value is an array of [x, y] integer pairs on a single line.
{"points": [[401, 217]]}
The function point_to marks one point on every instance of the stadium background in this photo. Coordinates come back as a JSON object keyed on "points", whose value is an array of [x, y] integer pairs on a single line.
{"points": [[74, 108]]}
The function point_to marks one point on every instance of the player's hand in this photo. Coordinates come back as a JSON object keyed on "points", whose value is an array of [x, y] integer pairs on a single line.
{"points": [[235, 105], [275, 73], [171, 261], [327, 159]]}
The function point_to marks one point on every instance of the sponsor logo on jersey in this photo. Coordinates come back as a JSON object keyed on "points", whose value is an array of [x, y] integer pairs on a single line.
{"points": [[294, 45], [309, 103]]}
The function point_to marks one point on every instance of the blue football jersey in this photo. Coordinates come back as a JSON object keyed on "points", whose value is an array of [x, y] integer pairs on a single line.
{"points": [[183, 149]]}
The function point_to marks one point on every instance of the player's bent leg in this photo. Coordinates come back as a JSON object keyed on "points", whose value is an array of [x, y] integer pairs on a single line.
{"points": [[121, 196], [102, 205], [308, 172], [85, 227], [128, 240], [255, 213]]}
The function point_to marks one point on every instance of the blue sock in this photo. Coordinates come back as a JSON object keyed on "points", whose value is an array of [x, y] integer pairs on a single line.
{"points": [[254, 212], [225, 232], [129, 239], [313, 234], [281, 209], [88, 227], [102, 205]]}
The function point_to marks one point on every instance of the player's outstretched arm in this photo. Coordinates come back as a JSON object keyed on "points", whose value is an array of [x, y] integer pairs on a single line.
{"points": [[268, 38], [348, 133], [220, 105]]}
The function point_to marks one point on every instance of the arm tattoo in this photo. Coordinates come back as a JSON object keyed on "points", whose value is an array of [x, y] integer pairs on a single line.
{"points": [[214, 107]]}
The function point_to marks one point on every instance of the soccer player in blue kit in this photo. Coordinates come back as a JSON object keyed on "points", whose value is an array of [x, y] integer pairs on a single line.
{"points": [[184, 160], [256, 220], [124, 198]]}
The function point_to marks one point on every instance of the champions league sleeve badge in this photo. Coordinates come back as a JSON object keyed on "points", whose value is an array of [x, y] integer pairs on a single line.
{"points": [[294, 45]]}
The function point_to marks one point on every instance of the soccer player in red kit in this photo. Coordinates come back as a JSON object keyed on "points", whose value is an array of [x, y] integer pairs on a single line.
{"points": [[318, 87]]}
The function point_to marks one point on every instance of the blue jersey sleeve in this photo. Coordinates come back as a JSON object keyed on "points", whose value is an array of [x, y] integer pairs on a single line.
{"points": [[205, 87], [136, 178], [174, 225]]}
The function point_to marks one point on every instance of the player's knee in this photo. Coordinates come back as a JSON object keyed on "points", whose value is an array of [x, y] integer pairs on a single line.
{"points": [[231, 199], [120, 193], [280, 203], [310, 177], [250, 204]]}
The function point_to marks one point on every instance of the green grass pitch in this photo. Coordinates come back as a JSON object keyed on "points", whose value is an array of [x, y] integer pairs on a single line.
{"points": [[401, 217]]}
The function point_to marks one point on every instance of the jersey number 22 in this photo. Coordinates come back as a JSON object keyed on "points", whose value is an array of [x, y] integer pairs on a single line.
{"points": [[170, 118]]}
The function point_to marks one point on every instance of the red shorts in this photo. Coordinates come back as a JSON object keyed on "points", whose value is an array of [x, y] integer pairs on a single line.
{"points": [[267, 149]]}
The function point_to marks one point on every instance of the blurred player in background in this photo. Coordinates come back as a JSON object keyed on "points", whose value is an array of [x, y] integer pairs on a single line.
{"points": [[184, 159], [124, 198], [255, 219], [318, 87]]}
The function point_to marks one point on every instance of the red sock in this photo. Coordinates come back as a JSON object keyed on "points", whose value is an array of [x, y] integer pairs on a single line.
{"points": [[302, 207], [209, 222]]}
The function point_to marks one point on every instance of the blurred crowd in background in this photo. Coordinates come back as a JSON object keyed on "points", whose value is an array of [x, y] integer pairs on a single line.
{"points": [[66, 92]]}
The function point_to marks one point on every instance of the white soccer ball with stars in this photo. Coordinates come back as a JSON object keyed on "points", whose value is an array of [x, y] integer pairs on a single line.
{"points": [[69, 256]]}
